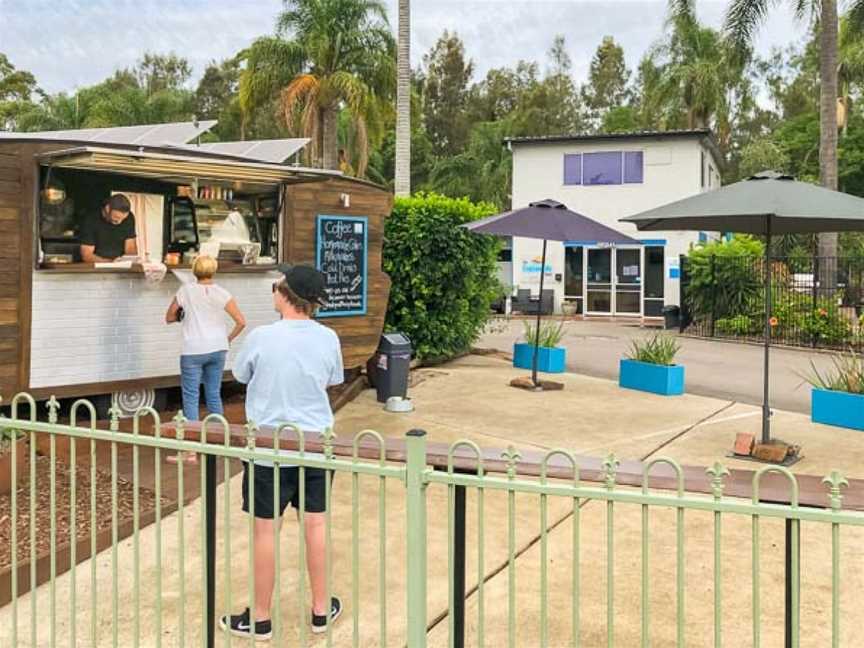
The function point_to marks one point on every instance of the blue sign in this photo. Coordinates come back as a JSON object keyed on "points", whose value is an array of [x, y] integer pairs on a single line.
{"points": [[341, 253]]}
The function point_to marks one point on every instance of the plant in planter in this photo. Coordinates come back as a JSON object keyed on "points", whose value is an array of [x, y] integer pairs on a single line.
{"points": [[650, 366], [837, 397], [550, 357]]}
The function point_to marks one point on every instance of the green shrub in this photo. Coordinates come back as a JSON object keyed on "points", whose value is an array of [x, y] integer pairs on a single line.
{"points": [[738, 325], [846, 374], [733, 286], [660, 349], [443, 276], [550, 333]]}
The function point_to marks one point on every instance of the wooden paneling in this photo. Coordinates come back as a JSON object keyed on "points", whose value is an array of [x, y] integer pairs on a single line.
{"points": [[9, 214], [359, 335], [29, 188]]}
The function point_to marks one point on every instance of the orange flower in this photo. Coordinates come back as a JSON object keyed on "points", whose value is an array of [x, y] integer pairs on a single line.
{"points": [[823, 312], [773, 321]]}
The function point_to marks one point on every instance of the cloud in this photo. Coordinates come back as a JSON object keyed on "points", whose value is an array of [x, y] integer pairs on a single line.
{"points": [[73, 43]]}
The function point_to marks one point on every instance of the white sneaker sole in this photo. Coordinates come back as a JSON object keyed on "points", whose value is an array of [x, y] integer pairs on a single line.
{"points": [[243, 634], [323, 629]]}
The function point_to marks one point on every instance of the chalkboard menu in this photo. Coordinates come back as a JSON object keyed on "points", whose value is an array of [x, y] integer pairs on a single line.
{"points": [[341, 254]]}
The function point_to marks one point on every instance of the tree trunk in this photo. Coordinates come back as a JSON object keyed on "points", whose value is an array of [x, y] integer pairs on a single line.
{"points": [[403, 102], [827, 246], [329, 137]]}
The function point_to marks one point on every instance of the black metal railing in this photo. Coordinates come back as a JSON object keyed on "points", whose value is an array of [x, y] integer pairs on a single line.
{"points": [[816, 302]]}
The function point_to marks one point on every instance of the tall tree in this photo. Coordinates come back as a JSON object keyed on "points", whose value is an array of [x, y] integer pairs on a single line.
{"points": [[607, 79], [216, 97], [743, 19], [327, 55], [445, 93], [403, 102], [158, 72]]}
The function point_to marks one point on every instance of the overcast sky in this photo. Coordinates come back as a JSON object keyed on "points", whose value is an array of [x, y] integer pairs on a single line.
{"points": [[73, 43]]}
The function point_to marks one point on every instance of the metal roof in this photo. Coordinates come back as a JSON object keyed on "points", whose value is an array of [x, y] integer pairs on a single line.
{"points": [[147, 135], [702, 133], [274, 150]]}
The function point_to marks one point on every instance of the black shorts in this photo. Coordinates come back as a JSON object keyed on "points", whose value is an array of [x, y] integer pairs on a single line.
{"points": [[289, 489]]}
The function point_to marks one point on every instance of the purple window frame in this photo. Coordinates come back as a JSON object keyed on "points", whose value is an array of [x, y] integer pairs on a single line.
{"points": [[606, 168], [572, 168]]}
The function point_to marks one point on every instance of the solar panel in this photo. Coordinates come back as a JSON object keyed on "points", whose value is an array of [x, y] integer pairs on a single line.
{"points": [[147, 135], [274, 150]]}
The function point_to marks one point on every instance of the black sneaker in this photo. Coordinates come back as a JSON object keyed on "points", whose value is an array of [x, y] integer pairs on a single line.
{"points": [[238, 624], [319, 621]]}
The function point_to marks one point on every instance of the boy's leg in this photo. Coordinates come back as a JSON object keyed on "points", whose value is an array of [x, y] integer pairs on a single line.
{"points": [[265, 566], [315, 560]]}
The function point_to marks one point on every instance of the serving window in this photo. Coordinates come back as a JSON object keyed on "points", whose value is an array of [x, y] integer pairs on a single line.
{"points": [[173, 220]]}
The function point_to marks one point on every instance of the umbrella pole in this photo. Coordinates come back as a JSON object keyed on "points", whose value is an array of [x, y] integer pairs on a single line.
{"points": [[539, 313], [766, 407]]}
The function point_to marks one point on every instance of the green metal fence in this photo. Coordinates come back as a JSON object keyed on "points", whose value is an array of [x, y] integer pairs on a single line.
{"points": [[371, 464]]}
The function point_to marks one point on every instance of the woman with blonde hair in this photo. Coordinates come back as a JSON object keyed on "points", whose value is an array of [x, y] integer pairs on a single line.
{"points": [[201, 307]]}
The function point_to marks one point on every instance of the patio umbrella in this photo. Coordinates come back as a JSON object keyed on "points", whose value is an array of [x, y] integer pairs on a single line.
{"points": [[549, 220], [766, 204]]}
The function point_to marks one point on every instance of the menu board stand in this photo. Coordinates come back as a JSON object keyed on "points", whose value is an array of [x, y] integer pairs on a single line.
{"points": [[341, 253]]}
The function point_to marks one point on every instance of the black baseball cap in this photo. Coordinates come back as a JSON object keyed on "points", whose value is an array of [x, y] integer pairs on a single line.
{"points": [[306, 282]]}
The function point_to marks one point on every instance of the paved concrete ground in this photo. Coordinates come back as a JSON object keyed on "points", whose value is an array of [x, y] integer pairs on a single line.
{"points": [[470, 399], [728, 370]]}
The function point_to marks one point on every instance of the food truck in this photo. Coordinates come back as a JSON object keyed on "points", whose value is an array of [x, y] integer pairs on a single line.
{"points": [[73, 329]]}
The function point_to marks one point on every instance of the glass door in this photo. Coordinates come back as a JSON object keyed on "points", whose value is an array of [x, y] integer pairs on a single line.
{"points": [[598, 275], [654, 281], [628, 281], [573, 276]]}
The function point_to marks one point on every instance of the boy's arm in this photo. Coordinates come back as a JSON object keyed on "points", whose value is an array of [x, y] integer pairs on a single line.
{"points": [[244, 364], [337, 372]]}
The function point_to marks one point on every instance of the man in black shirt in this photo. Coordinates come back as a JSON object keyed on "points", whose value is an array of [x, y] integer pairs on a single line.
{"points": [[111, 234]]}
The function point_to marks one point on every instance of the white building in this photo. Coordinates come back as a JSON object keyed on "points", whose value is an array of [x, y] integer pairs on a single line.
{"points": [[608, 177]]}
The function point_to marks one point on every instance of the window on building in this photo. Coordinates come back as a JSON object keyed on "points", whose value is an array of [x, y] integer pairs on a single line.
{"points": [[710, 175], [702, 168], [633, 167], [602, 168], [573, 169]]}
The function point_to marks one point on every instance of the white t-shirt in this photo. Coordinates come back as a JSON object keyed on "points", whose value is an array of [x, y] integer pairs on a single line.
{"points": [[287, 367], [204, 318]]}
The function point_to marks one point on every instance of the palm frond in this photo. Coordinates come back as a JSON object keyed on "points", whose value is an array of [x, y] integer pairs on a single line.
{"points": [[743, 18]]}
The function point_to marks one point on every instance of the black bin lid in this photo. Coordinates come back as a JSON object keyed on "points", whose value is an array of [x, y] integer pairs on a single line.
{"points": [[394, 342]]}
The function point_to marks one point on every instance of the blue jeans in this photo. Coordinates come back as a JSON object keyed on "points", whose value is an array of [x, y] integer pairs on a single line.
{"points": [[203, 368]]}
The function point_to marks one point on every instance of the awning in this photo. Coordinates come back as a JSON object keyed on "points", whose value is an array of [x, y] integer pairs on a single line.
{"points": [[180, 167]]}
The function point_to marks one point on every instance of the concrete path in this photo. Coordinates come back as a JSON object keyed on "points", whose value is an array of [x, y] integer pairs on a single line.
{"points": [[470, 399], [726, 370]]}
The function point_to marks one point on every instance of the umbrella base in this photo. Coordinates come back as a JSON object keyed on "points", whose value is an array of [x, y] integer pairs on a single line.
{"points": [[775, 452], [525, 382]]}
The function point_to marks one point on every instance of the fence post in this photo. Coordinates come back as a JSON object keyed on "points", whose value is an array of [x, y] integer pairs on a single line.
{"points": [[713, 292], [415, 466]]}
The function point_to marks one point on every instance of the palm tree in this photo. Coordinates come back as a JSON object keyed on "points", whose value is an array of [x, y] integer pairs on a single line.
{"points": [[743, 18], [327, 56], [403, 102]]}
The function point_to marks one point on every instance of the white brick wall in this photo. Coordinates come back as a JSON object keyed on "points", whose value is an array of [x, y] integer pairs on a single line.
{"points": [[100, 327]]}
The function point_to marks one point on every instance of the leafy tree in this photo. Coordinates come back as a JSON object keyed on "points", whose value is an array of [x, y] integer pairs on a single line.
{"points": [[216, 98], [443, 276], [447, 74], [326, 54], [761, 155], [159, 72], [607, 79], [18, 89]]}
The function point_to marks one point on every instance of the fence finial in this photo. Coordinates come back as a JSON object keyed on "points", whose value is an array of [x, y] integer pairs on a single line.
{"points": [[718, 471], [251, 434], [610, 470], [114, 414], [512, 456], [53, 407], [180, 424], [327, 442], [835, 481]]}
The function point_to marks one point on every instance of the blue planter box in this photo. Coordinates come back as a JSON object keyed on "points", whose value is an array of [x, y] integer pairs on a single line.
{"points": [[837, 408], [657, 379], [549, 359]]}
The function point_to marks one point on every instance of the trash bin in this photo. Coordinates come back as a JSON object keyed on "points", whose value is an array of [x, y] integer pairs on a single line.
{"points": [[392, 365], [671, 317]]}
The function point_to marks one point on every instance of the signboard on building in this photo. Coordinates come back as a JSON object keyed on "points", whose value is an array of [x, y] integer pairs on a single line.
{"points": [[341, 253], [530, 270]]}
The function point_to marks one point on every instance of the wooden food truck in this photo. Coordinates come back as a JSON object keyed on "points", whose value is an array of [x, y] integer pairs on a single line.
{"points": [[74, 329]]}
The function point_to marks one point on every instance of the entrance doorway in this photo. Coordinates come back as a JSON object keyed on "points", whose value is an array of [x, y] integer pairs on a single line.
{"points": [[609, 281]]}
